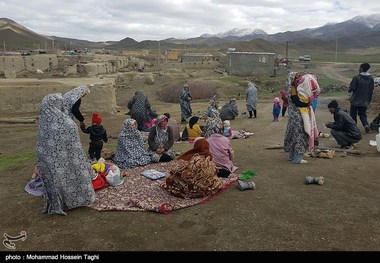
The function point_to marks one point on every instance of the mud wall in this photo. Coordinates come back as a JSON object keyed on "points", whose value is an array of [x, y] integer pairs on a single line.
{"points": [[26, 96]]}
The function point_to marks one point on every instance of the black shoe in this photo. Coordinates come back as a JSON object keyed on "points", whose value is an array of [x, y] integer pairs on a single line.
{"points": [[367, 129]]}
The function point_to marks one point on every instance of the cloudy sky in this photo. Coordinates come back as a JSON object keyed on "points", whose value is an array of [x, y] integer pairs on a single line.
{"points": [[114, 20]]}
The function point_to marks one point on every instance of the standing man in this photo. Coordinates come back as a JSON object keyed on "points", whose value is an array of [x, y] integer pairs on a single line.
{"points": [[361, 90], [184, 101], [251, 99], [344, 129]]}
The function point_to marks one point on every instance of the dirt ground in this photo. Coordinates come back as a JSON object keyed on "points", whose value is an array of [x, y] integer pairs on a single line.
{"points": [[281, 214]]}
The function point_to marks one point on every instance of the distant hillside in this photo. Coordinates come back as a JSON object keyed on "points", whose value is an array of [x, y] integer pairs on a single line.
{"points": [[361, 32], [16, 37]]}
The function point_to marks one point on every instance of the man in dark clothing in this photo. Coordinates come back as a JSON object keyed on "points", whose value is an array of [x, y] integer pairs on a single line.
{"points": [[344, 128], [361, 90]]}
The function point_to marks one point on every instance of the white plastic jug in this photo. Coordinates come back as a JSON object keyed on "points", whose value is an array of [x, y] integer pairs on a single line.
{"points": [[378, 141]]}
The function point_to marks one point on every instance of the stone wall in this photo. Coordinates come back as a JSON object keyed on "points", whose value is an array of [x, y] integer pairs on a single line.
{"points": [[11, 65], [250, 63]]}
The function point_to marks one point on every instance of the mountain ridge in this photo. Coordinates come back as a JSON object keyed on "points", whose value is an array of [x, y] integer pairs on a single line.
{"points": [[357, 32]]}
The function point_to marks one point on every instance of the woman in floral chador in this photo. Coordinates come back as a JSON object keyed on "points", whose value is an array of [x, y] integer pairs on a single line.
{"points": [[64, 168], [130, 151]]}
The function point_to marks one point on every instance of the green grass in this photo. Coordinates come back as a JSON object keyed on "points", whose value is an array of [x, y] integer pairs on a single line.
{"points": [[109, 146], [335, 94], [235, 80], [323, 82], [15, 161]]}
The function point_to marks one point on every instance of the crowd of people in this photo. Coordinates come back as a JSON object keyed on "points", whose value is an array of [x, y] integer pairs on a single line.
{"points": [[67, 174]]}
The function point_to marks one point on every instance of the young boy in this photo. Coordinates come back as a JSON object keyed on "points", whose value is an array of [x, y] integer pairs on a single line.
{"points": [[97, 135]]}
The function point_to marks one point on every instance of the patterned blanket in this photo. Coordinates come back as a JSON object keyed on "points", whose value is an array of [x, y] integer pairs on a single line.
{"points": [[139, 193]]}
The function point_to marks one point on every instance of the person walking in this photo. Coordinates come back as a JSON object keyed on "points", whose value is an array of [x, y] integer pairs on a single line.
{"points": [[361, 90], [344, 128], [184, 101], [251, 99]]}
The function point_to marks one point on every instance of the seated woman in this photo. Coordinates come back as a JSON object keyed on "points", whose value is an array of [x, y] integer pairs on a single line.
{"points": [[212, 122], [201, 147], [195, 178], [229, 110], [130, 151], [160, 141], [212, 108], [222, 152], [193, 128], [173, 123]]}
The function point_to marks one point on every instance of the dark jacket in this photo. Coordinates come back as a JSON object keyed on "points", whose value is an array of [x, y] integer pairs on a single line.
{"points": [[361, 89], [343, 122], [97, 132]]}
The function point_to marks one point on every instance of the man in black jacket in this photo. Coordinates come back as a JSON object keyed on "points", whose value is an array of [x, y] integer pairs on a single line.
{"points": [[361, 90], [344, 128]]}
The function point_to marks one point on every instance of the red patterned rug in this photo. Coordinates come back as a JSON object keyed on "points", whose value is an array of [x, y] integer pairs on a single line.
{"points": [[139, 193]]}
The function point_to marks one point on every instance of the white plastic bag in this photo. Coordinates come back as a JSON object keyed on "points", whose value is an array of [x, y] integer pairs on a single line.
{"points": [[114, 177]]}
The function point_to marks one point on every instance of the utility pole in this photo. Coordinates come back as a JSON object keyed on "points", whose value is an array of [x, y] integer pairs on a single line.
{"points": [[4, 45], [287, 49], [336, 49], [159, 51]]}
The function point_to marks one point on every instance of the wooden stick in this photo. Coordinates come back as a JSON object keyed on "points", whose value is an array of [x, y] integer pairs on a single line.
{"points": [[275, 147], [17, 120], [337, 149]]}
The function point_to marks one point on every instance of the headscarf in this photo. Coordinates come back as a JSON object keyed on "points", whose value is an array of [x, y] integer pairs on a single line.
{"points": [[213, 125], [162, 134], [201, 147], [308, 87], [193, 120], [72, 96]]}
